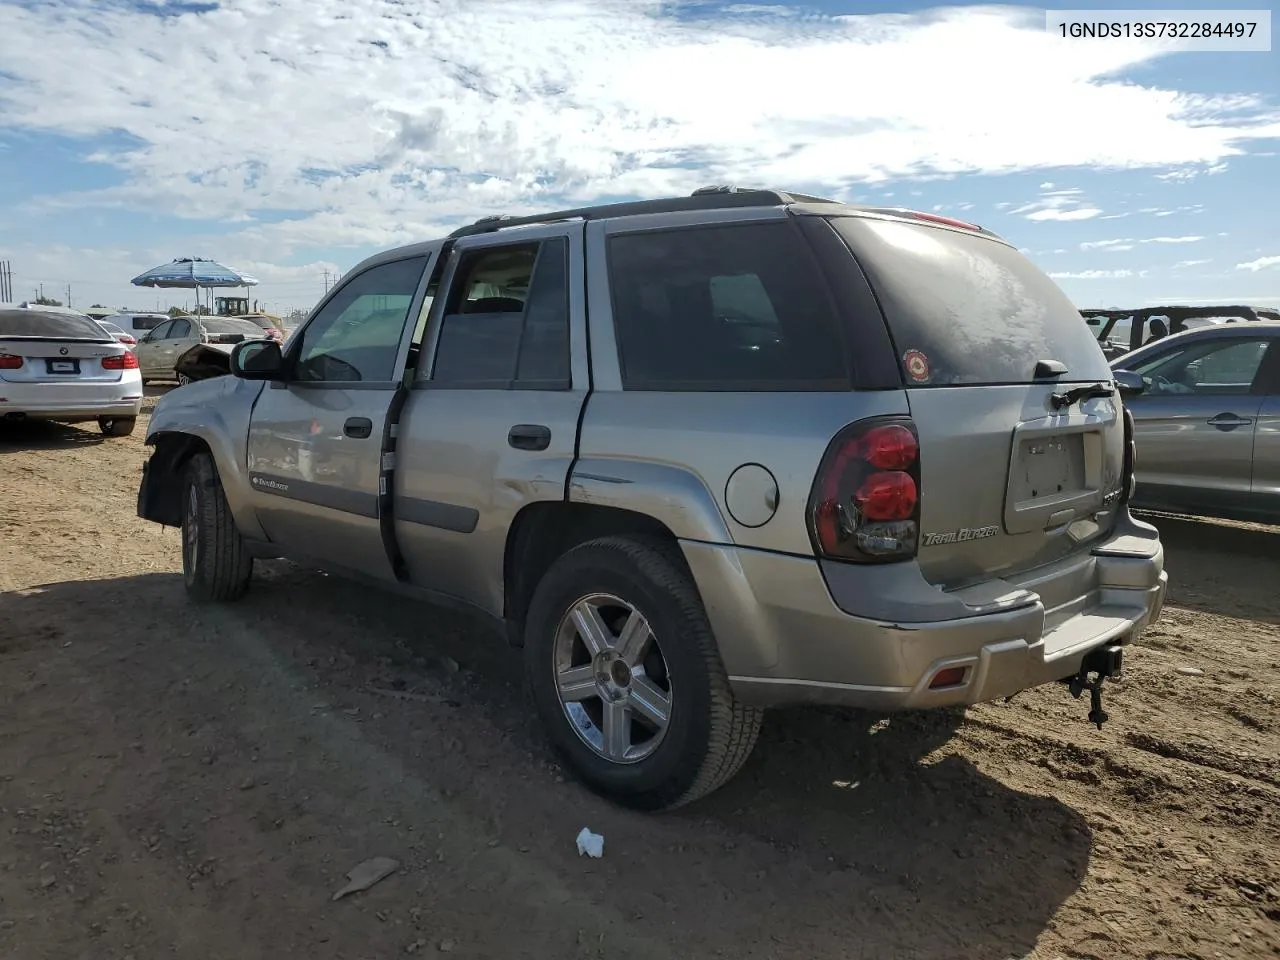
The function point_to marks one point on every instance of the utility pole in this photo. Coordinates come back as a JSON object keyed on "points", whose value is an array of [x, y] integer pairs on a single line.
{"points": [[68, 296], [6, 281], [326, 281]]}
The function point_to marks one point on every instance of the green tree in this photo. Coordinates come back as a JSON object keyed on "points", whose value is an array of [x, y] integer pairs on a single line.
{"points": [[47, 302]]}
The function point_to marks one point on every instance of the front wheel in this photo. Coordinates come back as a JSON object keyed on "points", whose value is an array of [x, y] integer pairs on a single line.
{"points": [[183, 379], [216, 565], [117, 426], [627, 678]]}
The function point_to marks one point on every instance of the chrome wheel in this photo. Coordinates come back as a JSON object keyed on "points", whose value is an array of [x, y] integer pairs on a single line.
{"points": [[191, 533], [611, 678], [183, 379]]}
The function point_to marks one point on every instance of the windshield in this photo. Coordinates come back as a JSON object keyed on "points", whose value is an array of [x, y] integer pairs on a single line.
{"points": [[59, 326], [964, 309]]}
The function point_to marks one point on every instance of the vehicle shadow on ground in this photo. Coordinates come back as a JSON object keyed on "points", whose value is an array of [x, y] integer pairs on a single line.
{"points": [[45, 435], [1221, 568], [842, 829]]}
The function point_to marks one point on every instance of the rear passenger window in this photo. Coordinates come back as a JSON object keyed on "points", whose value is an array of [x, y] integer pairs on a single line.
{"points": [[506, 319], [734, 307]]}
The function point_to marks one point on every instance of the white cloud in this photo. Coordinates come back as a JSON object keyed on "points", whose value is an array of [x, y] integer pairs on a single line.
{"points": [[1187, 174], [1128, 243], [1098, 275], [1057, 204], [1192, 263], [1262, 263], [368, 121]]}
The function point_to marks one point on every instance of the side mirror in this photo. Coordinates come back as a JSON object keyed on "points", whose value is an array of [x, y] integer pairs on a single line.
{"points": [[1129, 384], [257, 360]]}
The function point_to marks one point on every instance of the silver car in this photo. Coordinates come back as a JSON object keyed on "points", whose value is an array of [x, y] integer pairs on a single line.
{"points": [[1208, 422], [699, 457], [59, 365], [163, 348]]}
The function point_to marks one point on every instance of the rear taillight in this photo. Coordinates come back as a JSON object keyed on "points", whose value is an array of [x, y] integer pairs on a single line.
{"points": [[128, 341], [126, 361], [9, 362], [865, 504]]}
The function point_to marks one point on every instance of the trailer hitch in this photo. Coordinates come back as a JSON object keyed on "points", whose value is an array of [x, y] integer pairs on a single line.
{"points": [[1097, 666]]}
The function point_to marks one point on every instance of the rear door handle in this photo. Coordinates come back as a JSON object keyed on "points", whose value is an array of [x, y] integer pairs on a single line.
{"points": [[1227, 421], [529, 436], [358, 427]]}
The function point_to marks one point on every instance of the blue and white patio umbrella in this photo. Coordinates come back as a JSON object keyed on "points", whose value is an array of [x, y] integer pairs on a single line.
{"points": [[193, 273]]}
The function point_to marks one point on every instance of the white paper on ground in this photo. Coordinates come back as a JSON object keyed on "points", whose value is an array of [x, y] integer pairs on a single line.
{"points": [[592, 844]]}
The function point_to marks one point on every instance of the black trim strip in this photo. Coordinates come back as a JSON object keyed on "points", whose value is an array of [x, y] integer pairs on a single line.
{"points": [[318, 494], [433, 513]]}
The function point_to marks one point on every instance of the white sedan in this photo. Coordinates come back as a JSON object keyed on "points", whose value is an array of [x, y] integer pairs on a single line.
{"points": [[64, 366]]}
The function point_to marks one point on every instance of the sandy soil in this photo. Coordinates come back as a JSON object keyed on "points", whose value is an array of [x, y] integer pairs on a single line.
{"points": [[188, 782]]}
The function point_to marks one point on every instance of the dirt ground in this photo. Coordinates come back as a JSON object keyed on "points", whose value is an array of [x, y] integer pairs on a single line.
{"points": [[191, 782]]}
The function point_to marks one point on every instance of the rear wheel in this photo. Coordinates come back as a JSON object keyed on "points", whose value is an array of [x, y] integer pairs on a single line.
{"points": [[183, 379], [627, 678], [117, 426], [216, 565]]}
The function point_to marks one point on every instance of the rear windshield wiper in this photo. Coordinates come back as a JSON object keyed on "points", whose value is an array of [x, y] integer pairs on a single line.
{"points": [[1088, 392]]}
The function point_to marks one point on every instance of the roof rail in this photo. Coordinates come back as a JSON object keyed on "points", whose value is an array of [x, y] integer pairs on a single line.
{"points": [[705, 198]]}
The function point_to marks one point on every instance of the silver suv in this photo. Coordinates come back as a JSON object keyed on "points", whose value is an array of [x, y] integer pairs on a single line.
{"points": [[698, 457]]}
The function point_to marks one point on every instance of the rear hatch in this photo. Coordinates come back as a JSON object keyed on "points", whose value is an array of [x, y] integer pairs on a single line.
{"points": [[1020, 463], [49, 348]]}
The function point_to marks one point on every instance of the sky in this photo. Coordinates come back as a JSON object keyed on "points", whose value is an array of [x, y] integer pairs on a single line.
{"points": [[291, 138]]}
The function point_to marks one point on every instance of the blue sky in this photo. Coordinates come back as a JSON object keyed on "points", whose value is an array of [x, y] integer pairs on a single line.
{"points": [[293, 137]]}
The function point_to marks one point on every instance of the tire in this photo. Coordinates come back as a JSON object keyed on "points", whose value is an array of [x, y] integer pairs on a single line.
{"points": [[117, 426], [216, 565], [707, 735], [183, 379]]}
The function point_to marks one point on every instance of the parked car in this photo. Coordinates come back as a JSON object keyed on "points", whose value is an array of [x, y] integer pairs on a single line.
{"points": [[698, 457], [192, 348], [137, 325], [1119, 331], [59, 365], [1208, 422], [117, 334], [271, 326]]}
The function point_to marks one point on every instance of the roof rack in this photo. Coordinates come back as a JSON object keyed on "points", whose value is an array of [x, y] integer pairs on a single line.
{"points": [[719, 197]]}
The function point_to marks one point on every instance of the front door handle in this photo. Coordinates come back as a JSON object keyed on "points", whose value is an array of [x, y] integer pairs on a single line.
{"points": [[357, 428], [529, 436], [1228, 421]]}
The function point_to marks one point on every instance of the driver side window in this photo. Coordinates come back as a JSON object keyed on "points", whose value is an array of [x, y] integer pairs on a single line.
{"points": [[356, 336], [158, 332], [1222, 368]]}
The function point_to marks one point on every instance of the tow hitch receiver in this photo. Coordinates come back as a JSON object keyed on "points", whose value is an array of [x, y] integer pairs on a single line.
{"points": [[1103, 662]]}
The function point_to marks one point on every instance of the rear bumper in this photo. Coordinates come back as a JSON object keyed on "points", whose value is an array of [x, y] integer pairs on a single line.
{"points": [[73, 401], [784, 639], [71, 411]]}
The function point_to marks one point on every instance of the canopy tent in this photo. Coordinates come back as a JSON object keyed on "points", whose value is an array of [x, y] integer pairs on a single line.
{"points": [[193, 273]]}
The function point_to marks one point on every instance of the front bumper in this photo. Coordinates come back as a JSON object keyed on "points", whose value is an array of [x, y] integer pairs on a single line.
{"points": [[785, 641]]}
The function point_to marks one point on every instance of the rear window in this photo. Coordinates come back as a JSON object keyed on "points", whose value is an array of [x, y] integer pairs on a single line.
{"points": [[246, 327], [37, 323], [147, 323], [965, 309], [732, 307]]}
